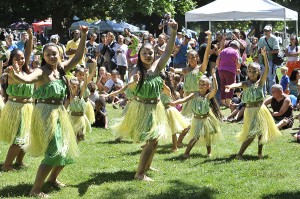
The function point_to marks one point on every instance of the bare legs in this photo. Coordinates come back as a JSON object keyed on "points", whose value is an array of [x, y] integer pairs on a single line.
{"points": [[146, 160], [191, 145], [245, 146], [174, 141], [181, 136], [14, 151], [42, 173]]}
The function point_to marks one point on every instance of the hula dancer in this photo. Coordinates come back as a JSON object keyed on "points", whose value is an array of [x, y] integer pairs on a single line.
{"points": [[258, 120], [51, 134]]}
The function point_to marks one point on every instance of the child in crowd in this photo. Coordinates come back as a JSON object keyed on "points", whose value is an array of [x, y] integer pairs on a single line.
{"points": [[285, 80], [77, 107], [258, 120], [101, 118], [205, 126], [93, 93]]}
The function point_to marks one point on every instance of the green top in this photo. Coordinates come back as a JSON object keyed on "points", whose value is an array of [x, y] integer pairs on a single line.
{"points": [[86, 93], [129, 94], [191, 81], [200, 105], [20, 90], [53, 89], [253, 93], [151, 87], [165, 99], [77, 105]]}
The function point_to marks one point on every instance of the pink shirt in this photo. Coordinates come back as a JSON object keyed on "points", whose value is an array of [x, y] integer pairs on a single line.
{"points": [[228, 58]]}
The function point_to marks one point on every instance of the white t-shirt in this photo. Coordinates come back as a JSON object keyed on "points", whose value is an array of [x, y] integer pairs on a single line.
{"points": [[290, 50], [110, 84], [121, 57]]}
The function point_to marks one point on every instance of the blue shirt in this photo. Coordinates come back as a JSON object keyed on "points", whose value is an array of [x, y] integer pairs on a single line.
{"points": [[21, 45], [285, 80], [180, 57]]}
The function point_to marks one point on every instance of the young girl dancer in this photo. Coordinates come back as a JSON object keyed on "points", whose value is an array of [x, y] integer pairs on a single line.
{"points": [[192, 75], [205, 125], [79, 73], [1, 98], [16, 114], [258, 120], [175, 120], [77, 107], [145, 118], [51, 134]]}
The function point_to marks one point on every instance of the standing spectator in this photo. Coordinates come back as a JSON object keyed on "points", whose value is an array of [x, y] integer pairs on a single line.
{"points": [[160, 47], [254, 48], [292, 53], [228, 66], [109, 52], [132, 53], [99, 56], [285, 80], [21, 43], [121, 57], [179, 39], [151, 40], [9, 42], [164, 24], [180, 53], [91, 46], [271, 43], [72, 46], [278, 37]]}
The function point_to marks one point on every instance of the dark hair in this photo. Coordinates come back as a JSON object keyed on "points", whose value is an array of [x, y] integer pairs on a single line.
{"points": [[243, 34], [296, 44], [100, 100], [140, 66], [10, 61], [294, 73], [166, 77], [92, 87]]}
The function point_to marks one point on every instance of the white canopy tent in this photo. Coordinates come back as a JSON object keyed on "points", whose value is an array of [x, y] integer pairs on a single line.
{"points": [[242, 10]]}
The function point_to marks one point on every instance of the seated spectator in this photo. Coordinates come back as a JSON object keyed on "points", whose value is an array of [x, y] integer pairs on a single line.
{"points": [[282, 107], [113, 82], [93, 93], [101, 119], [104, 76], [285, 80], [294, 82]]}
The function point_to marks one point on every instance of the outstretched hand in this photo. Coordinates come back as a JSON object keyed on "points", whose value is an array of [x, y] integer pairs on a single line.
{"points": [[208, 33], [174, 26], [84, 29], [227, 88], [136, 77], [29, 32]]}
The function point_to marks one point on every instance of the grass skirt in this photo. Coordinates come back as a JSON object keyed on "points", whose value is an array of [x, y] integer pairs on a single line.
{"points": [[52, 135], [176, 121], [15, 122], [90, 114], [126, 108], [187, 109], [258, 121], [143, 122], [80, 124], [1, 104], [206, 130]]}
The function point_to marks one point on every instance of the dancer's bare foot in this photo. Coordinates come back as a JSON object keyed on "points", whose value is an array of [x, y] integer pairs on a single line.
{"points": [[152, 169], [259, 156], [238, 157], [20, 165], [38, 194], [209, 155], [7, 168], [174, 149], [186, 156], [56, 184], [143, 178]]}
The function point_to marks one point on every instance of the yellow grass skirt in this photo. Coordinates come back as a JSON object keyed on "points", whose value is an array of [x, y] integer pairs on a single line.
{"points": [[1, 104], [50, 123], [176, 121], [80, 124], [90, 114], [15, 122], [206, 130], [143, 122], [187, 109], [258, 121]]}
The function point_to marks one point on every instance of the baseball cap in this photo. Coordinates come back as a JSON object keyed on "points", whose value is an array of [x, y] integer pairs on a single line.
{"points": [[268, 28]]}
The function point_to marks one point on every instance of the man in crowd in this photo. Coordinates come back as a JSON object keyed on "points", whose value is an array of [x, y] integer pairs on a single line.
{"points": [[72, 46], [282, 107]]}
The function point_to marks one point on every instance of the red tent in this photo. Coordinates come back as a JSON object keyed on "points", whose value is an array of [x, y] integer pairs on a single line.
{"points": [[40, 26]]}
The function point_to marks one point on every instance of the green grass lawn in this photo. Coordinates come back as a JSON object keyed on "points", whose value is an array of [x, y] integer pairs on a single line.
{"points": [[105, 169]]}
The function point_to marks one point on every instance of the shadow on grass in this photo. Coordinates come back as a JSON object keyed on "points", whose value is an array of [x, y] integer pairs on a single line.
{"points": [[15, 190], [231, 158], [116, 142], [181, 158], [179, 190], [100, 178], [285, 195]]}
